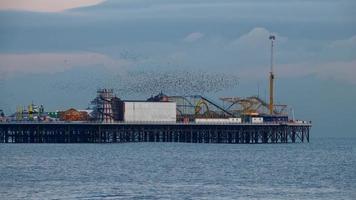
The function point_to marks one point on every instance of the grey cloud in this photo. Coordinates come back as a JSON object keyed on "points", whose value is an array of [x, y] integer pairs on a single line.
{"points": [[192, 37], [127, 23]]}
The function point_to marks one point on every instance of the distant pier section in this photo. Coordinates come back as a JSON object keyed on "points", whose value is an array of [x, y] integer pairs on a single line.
{"points": [[243, 133], [161, 118]]}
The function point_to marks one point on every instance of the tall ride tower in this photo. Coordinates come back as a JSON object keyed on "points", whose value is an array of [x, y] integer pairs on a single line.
{"points": [[103, 108], [271, 77]]}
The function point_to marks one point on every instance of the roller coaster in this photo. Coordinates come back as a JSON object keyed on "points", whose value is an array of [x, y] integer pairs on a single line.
{"points": [[197, 106], [251, 106]]}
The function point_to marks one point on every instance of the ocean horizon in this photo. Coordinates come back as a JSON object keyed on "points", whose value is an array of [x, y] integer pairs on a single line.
{"points": [[325, 168]]}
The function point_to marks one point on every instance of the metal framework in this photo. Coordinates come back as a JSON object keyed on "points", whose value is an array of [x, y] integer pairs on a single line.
{"points": [[103, 105], [194, 106], [152, 132], [250, 106]]}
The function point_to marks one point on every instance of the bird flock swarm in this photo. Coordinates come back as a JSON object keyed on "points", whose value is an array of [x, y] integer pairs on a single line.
{"points": [[150, 82], [173, 82]]}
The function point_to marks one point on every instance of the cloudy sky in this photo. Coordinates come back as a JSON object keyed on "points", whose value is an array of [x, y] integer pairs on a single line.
{"points": [[57, 53]]}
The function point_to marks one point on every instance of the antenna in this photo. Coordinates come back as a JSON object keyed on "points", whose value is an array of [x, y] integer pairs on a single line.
{"points": [[271, 77]]}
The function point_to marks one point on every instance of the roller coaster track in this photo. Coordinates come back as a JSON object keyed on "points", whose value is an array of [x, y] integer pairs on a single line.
{"points": [[194, 102], [249, 104]]}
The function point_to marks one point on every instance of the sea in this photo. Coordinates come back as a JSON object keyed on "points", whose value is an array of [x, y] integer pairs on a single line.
{"points": [[323, 169]]}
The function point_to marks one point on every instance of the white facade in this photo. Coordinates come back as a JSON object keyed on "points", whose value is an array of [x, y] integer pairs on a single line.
{"points": [[217, 120], [235, 120], [300, 122], [149, 112], [211, 120], [256, 120]]}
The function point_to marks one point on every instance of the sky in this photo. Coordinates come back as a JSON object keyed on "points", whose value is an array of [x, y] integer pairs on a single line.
{"points": [[57, 53]]}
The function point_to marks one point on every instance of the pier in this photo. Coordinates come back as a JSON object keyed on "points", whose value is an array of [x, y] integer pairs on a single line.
{"points": [[244, 133]]}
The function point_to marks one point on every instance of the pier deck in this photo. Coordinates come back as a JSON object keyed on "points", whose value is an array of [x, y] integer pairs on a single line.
{"points": [[244, 133]]}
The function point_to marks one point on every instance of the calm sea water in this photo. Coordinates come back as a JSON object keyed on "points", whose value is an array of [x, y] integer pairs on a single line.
{"points": [[322, 169]]}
